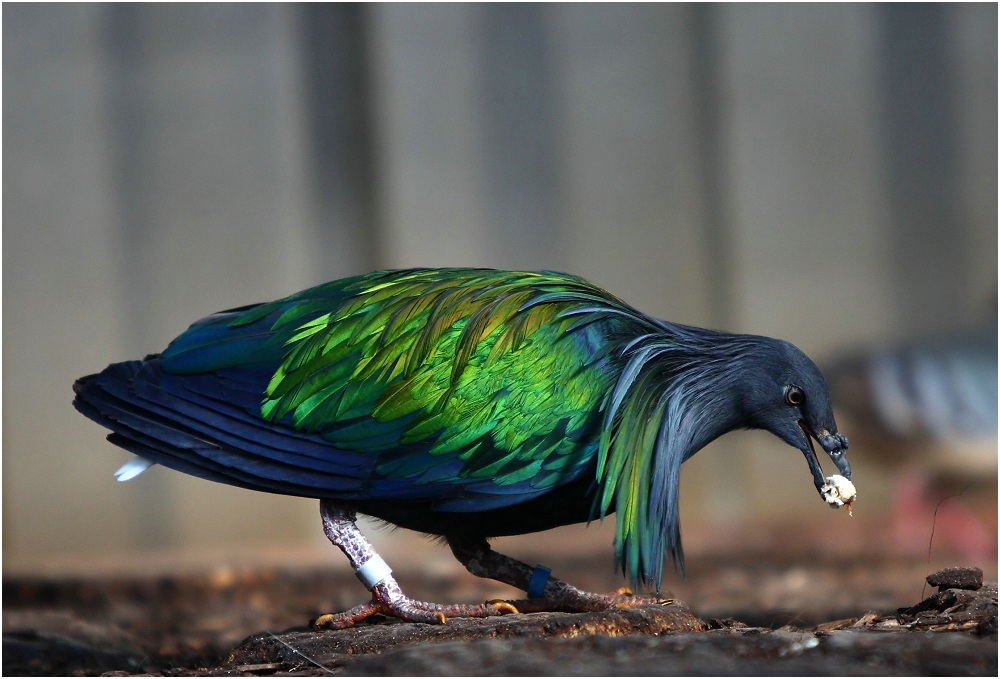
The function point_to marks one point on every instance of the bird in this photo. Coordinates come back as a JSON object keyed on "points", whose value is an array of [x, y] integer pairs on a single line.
{"points": [[466, 404]]}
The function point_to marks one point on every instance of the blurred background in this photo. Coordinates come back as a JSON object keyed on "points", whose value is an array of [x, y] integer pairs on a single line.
{"points": [[826, 174]]}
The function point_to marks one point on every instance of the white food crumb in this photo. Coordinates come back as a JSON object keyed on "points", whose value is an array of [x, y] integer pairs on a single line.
{"points": [[839, 492]]}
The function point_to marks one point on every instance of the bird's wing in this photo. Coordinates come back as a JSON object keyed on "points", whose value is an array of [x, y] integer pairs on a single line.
{"points": [[473, 388]]}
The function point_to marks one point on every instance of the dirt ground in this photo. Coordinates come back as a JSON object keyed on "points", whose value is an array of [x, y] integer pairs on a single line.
{"points": [[765, 611]]}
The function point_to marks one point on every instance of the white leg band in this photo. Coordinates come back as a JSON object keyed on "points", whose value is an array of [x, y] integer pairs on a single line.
{"points": [[373, 571]]}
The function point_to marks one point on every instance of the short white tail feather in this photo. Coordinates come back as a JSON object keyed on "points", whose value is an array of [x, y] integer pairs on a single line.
{"points": [[133, 468]]}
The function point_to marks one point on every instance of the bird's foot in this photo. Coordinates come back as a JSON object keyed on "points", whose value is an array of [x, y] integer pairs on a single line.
{"points": [[546, 593], [560, 596], [388, 600]]}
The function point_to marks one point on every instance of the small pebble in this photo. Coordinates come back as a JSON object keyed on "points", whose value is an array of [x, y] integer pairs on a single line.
{"points": [[956, 578]]}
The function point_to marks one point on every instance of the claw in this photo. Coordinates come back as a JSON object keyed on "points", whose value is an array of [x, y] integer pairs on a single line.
{"points": [[503, 606], [440, 616], [323, 620], [623, 591]]}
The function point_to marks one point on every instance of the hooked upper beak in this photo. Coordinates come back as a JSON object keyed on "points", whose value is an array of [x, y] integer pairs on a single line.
{"points": [[835, 446]]}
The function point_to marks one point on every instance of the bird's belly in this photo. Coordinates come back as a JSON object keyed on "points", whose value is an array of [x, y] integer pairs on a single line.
{"points": [[562, 506]]}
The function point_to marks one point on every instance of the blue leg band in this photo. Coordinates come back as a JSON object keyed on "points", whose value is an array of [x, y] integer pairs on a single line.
{"points": [[539, 578]]}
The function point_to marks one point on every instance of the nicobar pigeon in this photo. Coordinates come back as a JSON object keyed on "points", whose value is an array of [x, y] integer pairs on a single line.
{"points": [[466, 404]]}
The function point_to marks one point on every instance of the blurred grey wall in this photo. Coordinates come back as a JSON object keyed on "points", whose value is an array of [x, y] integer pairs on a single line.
{"points": [[822, 173]]}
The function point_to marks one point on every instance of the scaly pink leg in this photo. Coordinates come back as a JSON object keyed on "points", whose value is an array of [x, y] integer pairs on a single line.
{"points": [[482, 561], [387, 598]]}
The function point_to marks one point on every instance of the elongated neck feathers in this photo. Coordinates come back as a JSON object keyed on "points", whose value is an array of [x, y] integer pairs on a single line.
{"points": [[677, 391]]}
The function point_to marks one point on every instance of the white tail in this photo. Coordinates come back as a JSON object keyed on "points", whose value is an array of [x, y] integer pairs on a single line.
{"points": [[133, 468]]}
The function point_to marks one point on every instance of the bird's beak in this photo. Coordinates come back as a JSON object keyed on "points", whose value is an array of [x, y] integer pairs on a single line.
{"points": [[835, 446]]}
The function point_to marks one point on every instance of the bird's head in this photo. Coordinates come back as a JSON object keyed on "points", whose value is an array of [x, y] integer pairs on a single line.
{"points": [[787, 395]]}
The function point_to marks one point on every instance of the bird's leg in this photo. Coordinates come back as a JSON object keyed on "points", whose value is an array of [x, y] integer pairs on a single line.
{"points": [[555, 594], [387, 598]]}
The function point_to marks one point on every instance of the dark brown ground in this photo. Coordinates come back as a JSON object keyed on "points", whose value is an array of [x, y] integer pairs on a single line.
{"points": [[796, 613]]}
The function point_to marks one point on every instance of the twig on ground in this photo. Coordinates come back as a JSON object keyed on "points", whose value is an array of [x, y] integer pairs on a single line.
{"points": [[930, 542], [298, 652]]}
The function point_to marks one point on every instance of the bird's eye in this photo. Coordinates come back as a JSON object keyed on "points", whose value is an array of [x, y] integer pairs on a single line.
{"points": [[794, 395]]}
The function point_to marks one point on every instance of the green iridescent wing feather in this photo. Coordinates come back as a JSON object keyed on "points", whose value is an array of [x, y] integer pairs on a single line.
{"points": [[457, 360]]}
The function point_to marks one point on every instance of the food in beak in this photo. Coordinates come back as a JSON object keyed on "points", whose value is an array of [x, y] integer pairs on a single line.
{"points": [[839, 492]]}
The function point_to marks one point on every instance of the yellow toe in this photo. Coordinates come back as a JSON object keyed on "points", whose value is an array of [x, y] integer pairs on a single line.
{"points": [[323, 620], [440, 617]]}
